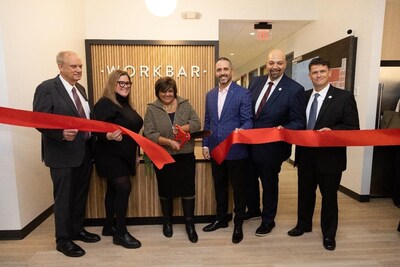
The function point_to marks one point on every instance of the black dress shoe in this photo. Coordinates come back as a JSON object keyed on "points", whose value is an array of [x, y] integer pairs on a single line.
{"points": [[329, 243], [70, 249], [167, 230], [237, 234], [265, 228], [87, 237], [252, 214], [215, 225], [126, 240], [108, 231], [298, 231]]}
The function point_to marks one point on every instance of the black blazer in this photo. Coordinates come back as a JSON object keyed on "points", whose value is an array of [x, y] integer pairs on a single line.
{"points": [[286, 107], [338, 112], [52, 97]]}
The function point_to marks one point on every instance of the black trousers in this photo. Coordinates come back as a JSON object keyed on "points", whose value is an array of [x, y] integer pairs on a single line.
{"points": [[234, 172], [269, 176], [70, 191], [309, 177]]}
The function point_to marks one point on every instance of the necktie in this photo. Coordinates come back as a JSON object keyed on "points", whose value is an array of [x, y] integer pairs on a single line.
{"points": [[80, 109], [312, 118], [264, 99], [78, 103]]}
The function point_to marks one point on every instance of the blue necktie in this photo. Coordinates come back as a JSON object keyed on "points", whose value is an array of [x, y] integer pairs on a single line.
{"points": [[312, 118]]}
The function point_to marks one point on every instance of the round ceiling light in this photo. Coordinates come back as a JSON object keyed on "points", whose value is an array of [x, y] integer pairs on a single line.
{"points": [[161, 8]]}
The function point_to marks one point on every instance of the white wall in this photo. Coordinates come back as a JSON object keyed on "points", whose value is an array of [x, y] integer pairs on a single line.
{"points": [[9, 216], [131, 20], [32, 32]]}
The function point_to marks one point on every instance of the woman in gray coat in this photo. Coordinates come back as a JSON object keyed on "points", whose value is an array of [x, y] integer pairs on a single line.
{"points": [[176, 179]]}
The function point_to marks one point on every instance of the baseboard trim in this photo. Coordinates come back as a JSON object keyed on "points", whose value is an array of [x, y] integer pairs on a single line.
{"points": [[21, 234], [354, 195]]}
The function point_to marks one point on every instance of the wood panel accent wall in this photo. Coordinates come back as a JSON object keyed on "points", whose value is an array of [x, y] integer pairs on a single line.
{"points": [[391, 36], [144, 201], [146, 61]]}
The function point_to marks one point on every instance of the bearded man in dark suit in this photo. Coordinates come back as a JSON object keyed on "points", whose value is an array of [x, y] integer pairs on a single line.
{"points": [[277, 102]]}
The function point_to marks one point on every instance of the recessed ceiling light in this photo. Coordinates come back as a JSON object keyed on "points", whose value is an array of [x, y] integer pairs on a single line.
{"points": [[252, 33], [232, 54]]}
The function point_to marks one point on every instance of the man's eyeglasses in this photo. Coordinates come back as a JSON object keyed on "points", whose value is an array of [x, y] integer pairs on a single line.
{"points": [[124, 84]]}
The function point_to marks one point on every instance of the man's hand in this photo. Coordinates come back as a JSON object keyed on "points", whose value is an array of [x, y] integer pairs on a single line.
{"points": [[324, 129], [206, 153], [69, 134]]}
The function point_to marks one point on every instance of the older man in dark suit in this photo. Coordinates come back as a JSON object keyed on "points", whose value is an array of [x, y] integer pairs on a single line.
{"points": [[328, 108], [67, 153], [228, 109], [277, 101]]}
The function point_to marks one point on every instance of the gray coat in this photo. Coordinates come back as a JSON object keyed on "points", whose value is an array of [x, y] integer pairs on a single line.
{"points": [[157, 123]]}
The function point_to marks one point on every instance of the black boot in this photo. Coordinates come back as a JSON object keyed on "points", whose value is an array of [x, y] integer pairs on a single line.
{"points": [[166, 207], [188, 212]]}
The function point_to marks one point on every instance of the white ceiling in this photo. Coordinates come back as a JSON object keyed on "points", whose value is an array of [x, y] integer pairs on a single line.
{"points": [[234, 37]]}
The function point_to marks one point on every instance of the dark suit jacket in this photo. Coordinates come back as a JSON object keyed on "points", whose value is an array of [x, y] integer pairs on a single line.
{"points": [[285, 107], [52, 97], [338, 112], [236, 113]]}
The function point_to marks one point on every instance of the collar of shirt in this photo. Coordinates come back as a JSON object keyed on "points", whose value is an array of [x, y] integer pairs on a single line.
{"points": [[224, 90], [321, 93], [275, 82], [67, 86]]}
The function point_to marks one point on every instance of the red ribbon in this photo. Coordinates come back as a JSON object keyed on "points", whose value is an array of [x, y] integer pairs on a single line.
{"points": [[310, 138], [33, 119]]}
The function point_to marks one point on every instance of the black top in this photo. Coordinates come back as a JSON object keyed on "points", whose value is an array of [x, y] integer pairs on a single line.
{"points": [[112, 158]]}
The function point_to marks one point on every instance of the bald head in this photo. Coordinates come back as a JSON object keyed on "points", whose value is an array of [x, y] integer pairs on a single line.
{"points": [[276, 64]]}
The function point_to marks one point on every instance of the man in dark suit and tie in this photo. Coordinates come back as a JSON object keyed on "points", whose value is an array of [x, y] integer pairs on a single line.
{"points": [[328, 108], [277, 101], [228, 109], [67, 153]]}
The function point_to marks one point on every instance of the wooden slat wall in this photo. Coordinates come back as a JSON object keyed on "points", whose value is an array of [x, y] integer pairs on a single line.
{"points": [[144, 200], [192, 88]]}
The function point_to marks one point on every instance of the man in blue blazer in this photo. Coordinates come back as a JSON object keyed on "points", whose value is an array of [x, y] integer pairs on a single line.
{"points": [[67, 153], [335, 109], [228, 109], [277, 101]]}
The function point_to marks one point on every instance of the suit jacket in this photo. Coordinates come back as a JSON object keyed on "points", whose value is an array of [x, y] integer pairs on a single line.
{"points": [[236, 113], [286, 107], [338, 112], [52, 97]]}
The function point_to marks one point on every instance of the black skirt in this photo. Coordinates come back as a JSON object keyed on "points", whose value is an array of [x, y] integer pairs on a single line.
{"points": [[177, 179]]}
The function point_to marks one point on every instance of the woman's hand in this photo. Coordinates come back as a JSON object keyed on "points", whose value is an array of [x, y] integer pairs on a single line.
{"points": [[174, 145]]}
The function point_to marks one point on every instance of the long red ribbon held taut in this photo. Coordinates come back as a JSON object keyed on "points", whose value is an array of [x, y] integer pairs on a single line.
{"points": [[386, 137], [157, 154]]}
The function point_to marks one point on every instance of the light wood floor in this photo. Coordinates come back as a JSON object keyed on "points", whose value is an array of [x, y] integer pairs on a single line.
{"points": [[366, 236]]}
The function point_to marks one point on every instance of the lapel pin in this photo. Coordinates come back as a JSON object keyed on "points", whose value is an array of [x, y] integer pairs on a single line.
{"points": [[330, 96], [280, 89]]}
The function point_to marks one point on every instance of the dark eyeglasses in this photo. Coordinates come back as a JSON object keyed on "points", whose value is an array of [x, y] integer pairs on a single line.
{"points": [[124, 84]]}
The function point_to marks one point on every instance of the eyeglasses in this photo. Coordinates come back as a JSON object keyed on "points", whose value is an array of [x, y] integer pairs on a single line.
{"points": [[124, 84]]}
